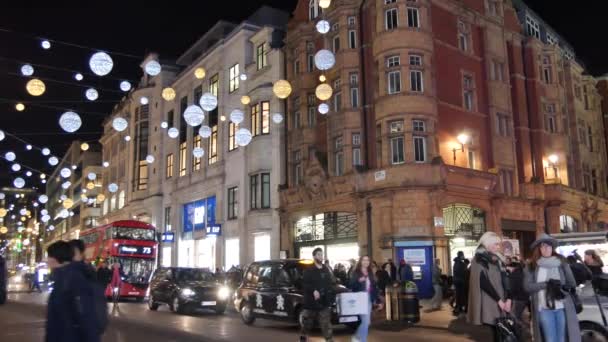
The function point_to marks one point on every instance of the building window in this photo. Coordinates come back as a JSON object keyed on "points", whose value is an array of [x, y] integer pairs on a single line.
{"points": [[463, 36], [183, 156], [419, 126], [253, 191], [391, 19], [393, 61], [352, 39], [168, 219], [567, 224], [265, 117], [416, 82], [354, 97], [586, 97], [232, 136], [170, 118], [338, 157], [386, 2], [298, 172], [265, 190], [413, 19], [419, 149], [312, 116], [394, 82], [378, 145], [497, 71], [233, 203], [169, 166], [214, 85], [551, 123], [196, 162], [415, 60], [503, 125], [352, 21], [532, 27], [397, 153], [261, 56], [234, 78], [468, 92], [336, 43], [213, 145], [547, 75], [313, 9], [311, 63], [582, 132], [472, 161], [296, 120], [396, 127], [594, 187], [506, 182], [590, 138], [255, 119], [337, 95], [356, 141], [551, 39], [493, 7]]}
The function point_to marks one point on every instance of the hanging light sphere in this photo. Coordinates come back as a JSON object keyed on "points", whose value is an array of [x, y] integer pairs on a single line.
{"points": [[277, 118], [83, 198], [35, 87], [324, 3], [65, 172], [43, 199], [16, 167], [324, 59], [22, 218], [243, 137], [90, 185], [223, 118], [68, 203], [51, 227], [282, 89], [243, 77], [45, 44], [70, 122], [106, 164], [2, 196], [323, 108], [323, 26], [2, 135], [10, 156], [323, 92], [27, 70], [53, 161], [64, 213], [43, 181], [46, 218], [127, 138], [119, 124], [101, 63], [66, 185], [46, 151], [237, 116], [150, 159], [322, 78], [101, 197], [198, 152], [84, 146], [36, 204], [20, 107], [3, 230], [173, 133], [74, 167], [125, 85], [27, 147], [200, 73], [152, 68], [245, 100], [205, 131], [194, 115], [29, 173], [63, 197], [208, 102], [92, 176], [23, 212], [168, 94], [112, 187], [19, 182], [78, 77], [3, 212], [91, 94], [44, 212], [144, 100]]}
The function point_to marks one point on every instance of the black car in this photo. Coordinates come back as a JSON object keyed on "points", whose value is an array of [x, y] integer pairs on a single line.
{"points": [[273, 290], [187, 289]]}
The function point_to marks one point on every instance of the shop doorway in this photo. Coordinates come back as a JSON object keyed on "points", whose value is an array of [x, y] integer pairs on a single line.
{"points": [[521, 232]]}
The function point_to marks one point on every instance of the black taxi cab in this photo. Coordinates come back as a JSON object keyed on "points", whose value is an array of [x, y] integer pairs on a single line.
{"points": [[273, 290]]}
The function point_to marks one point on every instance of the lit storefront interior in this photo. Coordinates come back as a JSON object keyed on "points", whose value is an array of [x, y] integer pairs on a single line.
{"points": [[232, 252], [463, 225], [261, 247]]}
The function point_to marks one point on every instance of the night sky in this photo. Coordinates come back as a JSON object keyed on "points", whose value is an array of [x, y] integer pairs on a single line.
{"points": [[169, 31]]}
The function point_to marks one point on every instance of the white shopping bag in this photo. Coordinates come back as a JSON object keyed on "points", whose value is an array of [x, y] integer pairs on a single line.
{"points": [[353, 303]]}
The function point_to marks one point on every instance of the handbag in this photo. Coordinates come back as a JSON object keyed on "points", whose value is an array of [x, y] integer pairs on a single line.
{"points": [[578, 304], [506, 329]]}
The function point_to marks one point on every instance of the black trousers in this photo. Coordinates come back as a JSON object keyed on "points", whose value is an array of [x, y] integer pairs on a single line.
{"points": [[461, 297]]}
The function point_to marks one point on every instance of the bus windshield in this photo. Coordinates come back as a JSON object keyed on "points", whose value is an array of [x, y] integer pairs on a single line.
{"points": [[135, 270], [132, 233]]}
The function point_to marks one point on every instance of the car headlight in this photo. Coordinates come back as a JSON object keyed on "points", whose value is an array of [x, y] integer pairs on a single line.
{"points": [[223, 293], [187, 292]]}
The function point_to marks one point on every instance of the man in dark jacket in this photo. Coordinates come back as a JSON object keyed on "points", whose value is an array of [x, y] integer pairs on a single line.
{"points": [[405, 271], [459, 277], [319, 295], [70, 317]]}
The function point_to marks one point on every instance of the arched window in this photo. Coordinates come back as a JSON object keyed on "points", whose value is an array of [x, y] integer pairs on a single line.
{"points": [[121, 200]]}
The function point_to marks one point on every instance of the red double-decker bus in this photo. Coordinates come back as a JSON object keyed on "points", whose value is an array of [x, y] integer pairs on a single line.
{"points": [[133, 245]]}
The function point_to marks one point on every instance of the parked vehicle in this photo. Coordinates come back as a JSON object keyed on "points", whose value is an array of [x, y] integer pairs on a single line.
{"points": [[187, 289]]}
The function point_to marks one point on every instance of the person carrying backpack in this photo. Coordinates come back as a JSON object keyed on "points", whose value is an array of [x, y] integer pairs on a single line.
{"points": [[71, 313]]}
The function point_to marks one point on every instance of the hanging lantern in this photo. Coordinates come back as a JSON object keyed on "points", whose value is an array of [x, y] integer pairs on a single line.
{"points": [[125, 85], [101, 63], [27, 70], [323, 92], [194, 115], [150, 159], [112, 187], [78, 77], [10, 156], [90, 185], [20, 107], [205, 131], [282, 89], [324, 59], [237, 116], [200, 73], [198, 152], [91, 94], [323, 108], [92, 176], [152, 68], [35, 87], [243, 137], [19, 182], [68, 203], [46, 151], [324, 3], [43, 199], [208, 102], [119, 124], [101, 197], [168, 94], [245, 100], [277, 118], [323, 26], [70, 122], [84, 146], [65, 172]]}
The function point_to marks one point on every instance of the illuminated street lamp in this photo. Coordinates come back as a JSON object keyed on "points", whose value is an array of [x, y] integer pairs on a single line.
{"points": [[463, 139], [553, 160]]}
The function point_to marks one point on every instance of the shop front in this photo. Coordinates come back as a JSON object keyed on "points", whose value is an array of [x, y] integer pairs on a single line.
{"points": [[334, 232], [463, 226], [198, 245]]}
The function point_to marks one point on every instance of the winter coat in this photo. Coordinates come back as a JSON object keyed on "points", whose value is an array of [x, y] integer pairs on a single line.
{"points": [[70, 315], [359, 286], [383, 280], [459, 270], [321, 280], [516, 284], [436, 275], [406, 273], [483, 309], [532, 287]]}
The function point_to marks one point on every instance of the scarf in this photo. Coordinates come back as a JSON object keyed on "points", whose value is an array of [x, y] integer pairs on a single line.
{"points": [[548, 268]]}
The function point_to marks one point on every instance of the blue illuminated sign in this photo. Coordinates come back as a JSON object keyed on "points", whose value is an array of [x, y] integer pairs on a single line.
{"points": [[168, 237], [214, 230], [199, 214]]}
